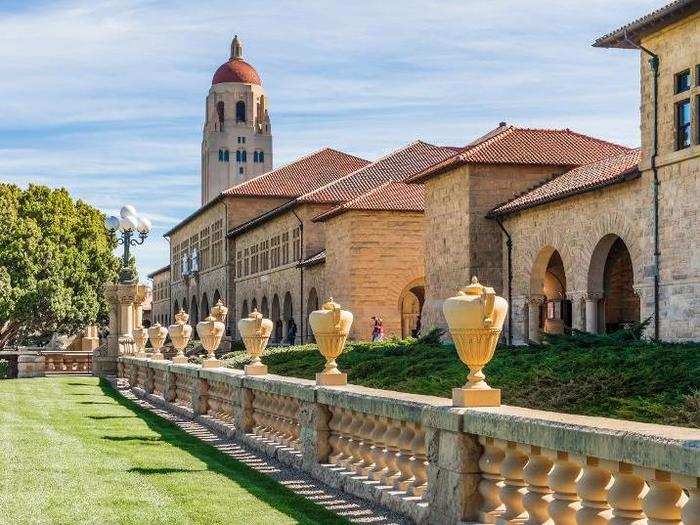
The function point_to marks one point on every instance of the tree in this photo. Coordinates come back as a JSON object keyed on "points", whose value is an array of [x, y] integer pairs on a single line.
{"points": [[55, 257]]}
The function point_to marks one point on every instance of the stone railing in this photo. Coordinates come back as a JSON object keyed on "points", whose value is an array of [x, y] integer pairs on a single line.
{"points": [[67, 362], [439, 464]]}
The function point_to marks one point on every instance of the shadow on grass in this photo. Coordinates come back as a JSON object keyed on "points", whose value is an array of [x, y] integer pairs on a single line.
{"points": [[164, 470], [100, 418], [259, 485], [82, 394], [146, 439], [94, 403], [73, 383]]}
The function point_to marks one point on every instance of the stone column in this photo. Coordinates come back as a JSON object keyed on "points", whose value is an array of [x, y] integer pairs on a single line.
{"points": [[200, 396], [578, 310], [534, 311], [121, 298], [592, 300], [313, 434]]}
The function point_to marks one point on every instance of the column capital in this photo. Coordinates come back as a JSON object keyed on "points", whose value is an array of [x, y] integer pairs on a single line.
{"points": [[536, 299], [576, 296]]}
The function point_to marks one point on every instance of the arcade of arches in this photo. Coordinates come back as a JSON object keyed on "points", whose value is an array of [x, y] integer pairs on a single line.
{"points": [[609, 302]]}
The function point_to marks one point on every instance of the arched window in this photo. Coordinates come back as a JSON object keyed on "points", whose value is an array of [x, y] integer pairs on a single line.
{"points": [[244, 156], [238, 156], [240, 111], [221, 155], [255, 156], [225, 155], [220, 113], [261, 156]]}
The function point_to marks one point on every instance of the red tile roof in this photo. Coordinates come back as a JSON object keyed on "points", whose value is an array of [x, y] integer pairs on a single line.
{"points": [[236, 70], [301, 176], [390, 196], [512, 145], [584, 178], [397, 166], [318, 258]]}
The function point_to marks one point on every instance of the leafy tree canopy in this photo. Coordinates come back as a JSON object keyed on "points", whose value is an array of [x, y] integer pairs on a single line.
{"points": [[55, 256]]}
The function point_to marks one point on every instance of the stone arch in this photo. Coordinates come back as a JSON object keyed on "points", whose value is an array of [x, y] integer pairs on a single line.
{"points": [[205, 306], [185, 306], [194, 315], [264, 307], [311, 305], [276, 319], [254, 304], [411, 301], [244, 309], [176, 307], [240, 111], [217, 297], [288, 315], [550, 307]]}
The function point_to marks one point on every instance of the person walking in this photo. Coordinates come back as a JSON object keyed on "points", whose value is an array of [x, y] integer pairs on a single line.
{"points": [[291, 331], [377, 328]]}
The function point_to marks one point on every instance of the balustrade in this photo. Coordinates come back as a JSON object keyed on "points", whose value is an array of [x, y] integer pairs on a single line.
{"points": [[184, 385], [159, 381], [276, 418], [220, 401], [59, 362]]}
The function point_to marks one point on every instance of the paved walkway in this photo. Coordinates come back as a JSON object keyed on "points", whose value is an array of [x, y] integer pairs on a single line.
{"points": [[354, 509]]}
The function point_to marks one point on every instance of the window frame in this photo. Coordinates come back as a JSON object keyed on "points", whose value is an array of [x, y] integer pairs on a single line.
{"points": [[688, 125], [676, 81]]}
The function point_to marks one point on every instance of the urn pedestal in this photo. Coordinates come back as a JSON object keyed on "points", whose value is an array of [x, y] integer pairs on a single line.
{"points": [[255, 332], [180, 334], [475, 317], [157, 335], [331, 326], [210, 332], [140, 336]]}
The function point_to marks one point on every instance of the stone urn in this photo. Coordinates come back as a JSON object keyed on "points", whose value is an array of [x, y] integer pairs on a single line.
{"points": [[157, 335], [180, 334], [330, 326], [475, 317], [255, 331], [140, 336], [210, 332]]}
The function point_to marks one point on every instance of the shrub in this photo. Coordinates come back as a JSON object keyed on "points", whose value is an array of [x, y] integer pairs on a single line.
{"points": [[4, 368]]}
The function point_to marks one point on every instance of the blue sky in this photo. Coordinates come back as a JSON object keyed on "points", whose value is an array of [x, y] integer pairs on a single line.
{"points": [[106, 98]]}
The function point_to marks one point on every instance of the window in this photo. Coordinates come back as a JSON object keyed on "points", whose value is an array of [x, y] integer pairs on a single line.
{"points": [[220, 113], [240, 111], [683, 81], [255, 156], [275, 252], [683, 124], [221, 155], [241, 170], [261, 156], [238, 156], [217, 245], [285, 248], [265, 255], [204, 249], [246, 262], [243, 156], [254, 259], [239, 263], [296, 243], [225, 155]]}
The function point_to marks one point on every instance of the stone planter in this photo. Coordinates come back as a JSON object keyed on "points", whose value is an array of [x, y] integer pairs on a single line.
{"points": [[210, 332], [475, 317], [157, 335], [140, 336], [331, 326], [255, 331], [180, 334]]}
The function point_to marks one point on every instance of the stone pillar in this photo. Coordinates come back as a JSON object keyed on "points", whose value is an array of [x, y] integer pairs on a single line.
{"points": [[244, 411], [200, 396], [90, 340], [578, 310], [534, 308], [453, 475], [592, 300], [313, 434]]}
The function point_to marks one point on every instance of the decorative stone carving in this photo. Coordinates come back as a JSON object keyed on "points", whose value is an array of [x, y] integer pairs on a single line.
{"points": [[331, 326], [475, 317], [210, 332], [180, 334], [255, 331], [140, 336], [157, 335]]}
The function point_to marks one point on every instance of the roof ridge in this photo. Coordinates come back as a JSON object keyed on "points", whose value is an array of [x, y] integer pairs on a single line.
{"points": [[509, 129]]}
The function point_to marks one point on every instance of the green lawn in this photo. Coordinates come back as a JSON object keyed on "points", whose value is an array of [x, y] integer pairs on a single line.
{"points": [[73, 451], [612, 376]]}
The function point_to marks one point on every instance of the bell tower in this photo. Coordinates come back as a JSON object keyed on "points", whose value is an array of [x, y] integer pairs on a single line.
{"points": [[237, 137]]}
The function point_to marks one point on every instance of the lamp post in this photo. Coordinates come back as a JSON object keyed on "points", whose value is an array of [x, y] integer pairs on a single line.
{"points": [[128, 223]]}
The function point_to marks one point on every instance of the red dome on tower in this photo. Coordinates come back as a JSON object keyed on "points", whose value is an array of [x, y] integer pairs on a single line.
{"points": [[236, 69]]}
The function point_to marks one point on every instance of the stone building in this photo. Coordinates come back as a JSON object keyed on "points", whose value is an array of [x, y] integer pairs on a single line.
{"points": [[357, 237], [161, 311]]}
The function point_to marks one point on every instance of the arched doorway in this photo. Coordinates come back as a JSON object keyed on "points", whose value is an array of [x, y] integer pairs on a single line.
{"points": [[205, 306], [176, 308], [549, 310], [411, 305], [612, 303], [194, 315], [311, 305], [287, 316], [185, 306], [276, 320], [264, 308], [253, 304], [217, 297], [244, 309]]}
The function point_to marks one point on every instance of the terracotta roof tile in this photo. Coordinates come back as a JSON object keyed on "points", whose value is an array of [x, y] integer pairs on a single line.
{"points": [[315, 259], [590, 176], [301, 176], [512, 145], [397, 166], [390, 196]]}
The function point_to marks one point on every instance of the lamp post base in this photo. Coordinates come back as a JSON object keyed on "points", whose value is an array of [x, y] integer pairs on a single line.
{"points": [[255, 370], [324, 379], [475, 397]]}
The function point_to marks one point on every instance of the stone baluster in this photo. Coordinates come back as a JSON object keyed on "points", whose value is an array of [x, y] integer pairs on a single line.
{"points": [[403, 460], [562, 480], [287, 413], [392, 453], [513, 489], [538, 496], [625, 495], [335, 439], [592, 487], [691, 509], [365, 465], [354, 440], [491, 481], [419, 464], [379, 449], [169, 387], [665, 499], [257, 412]]}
